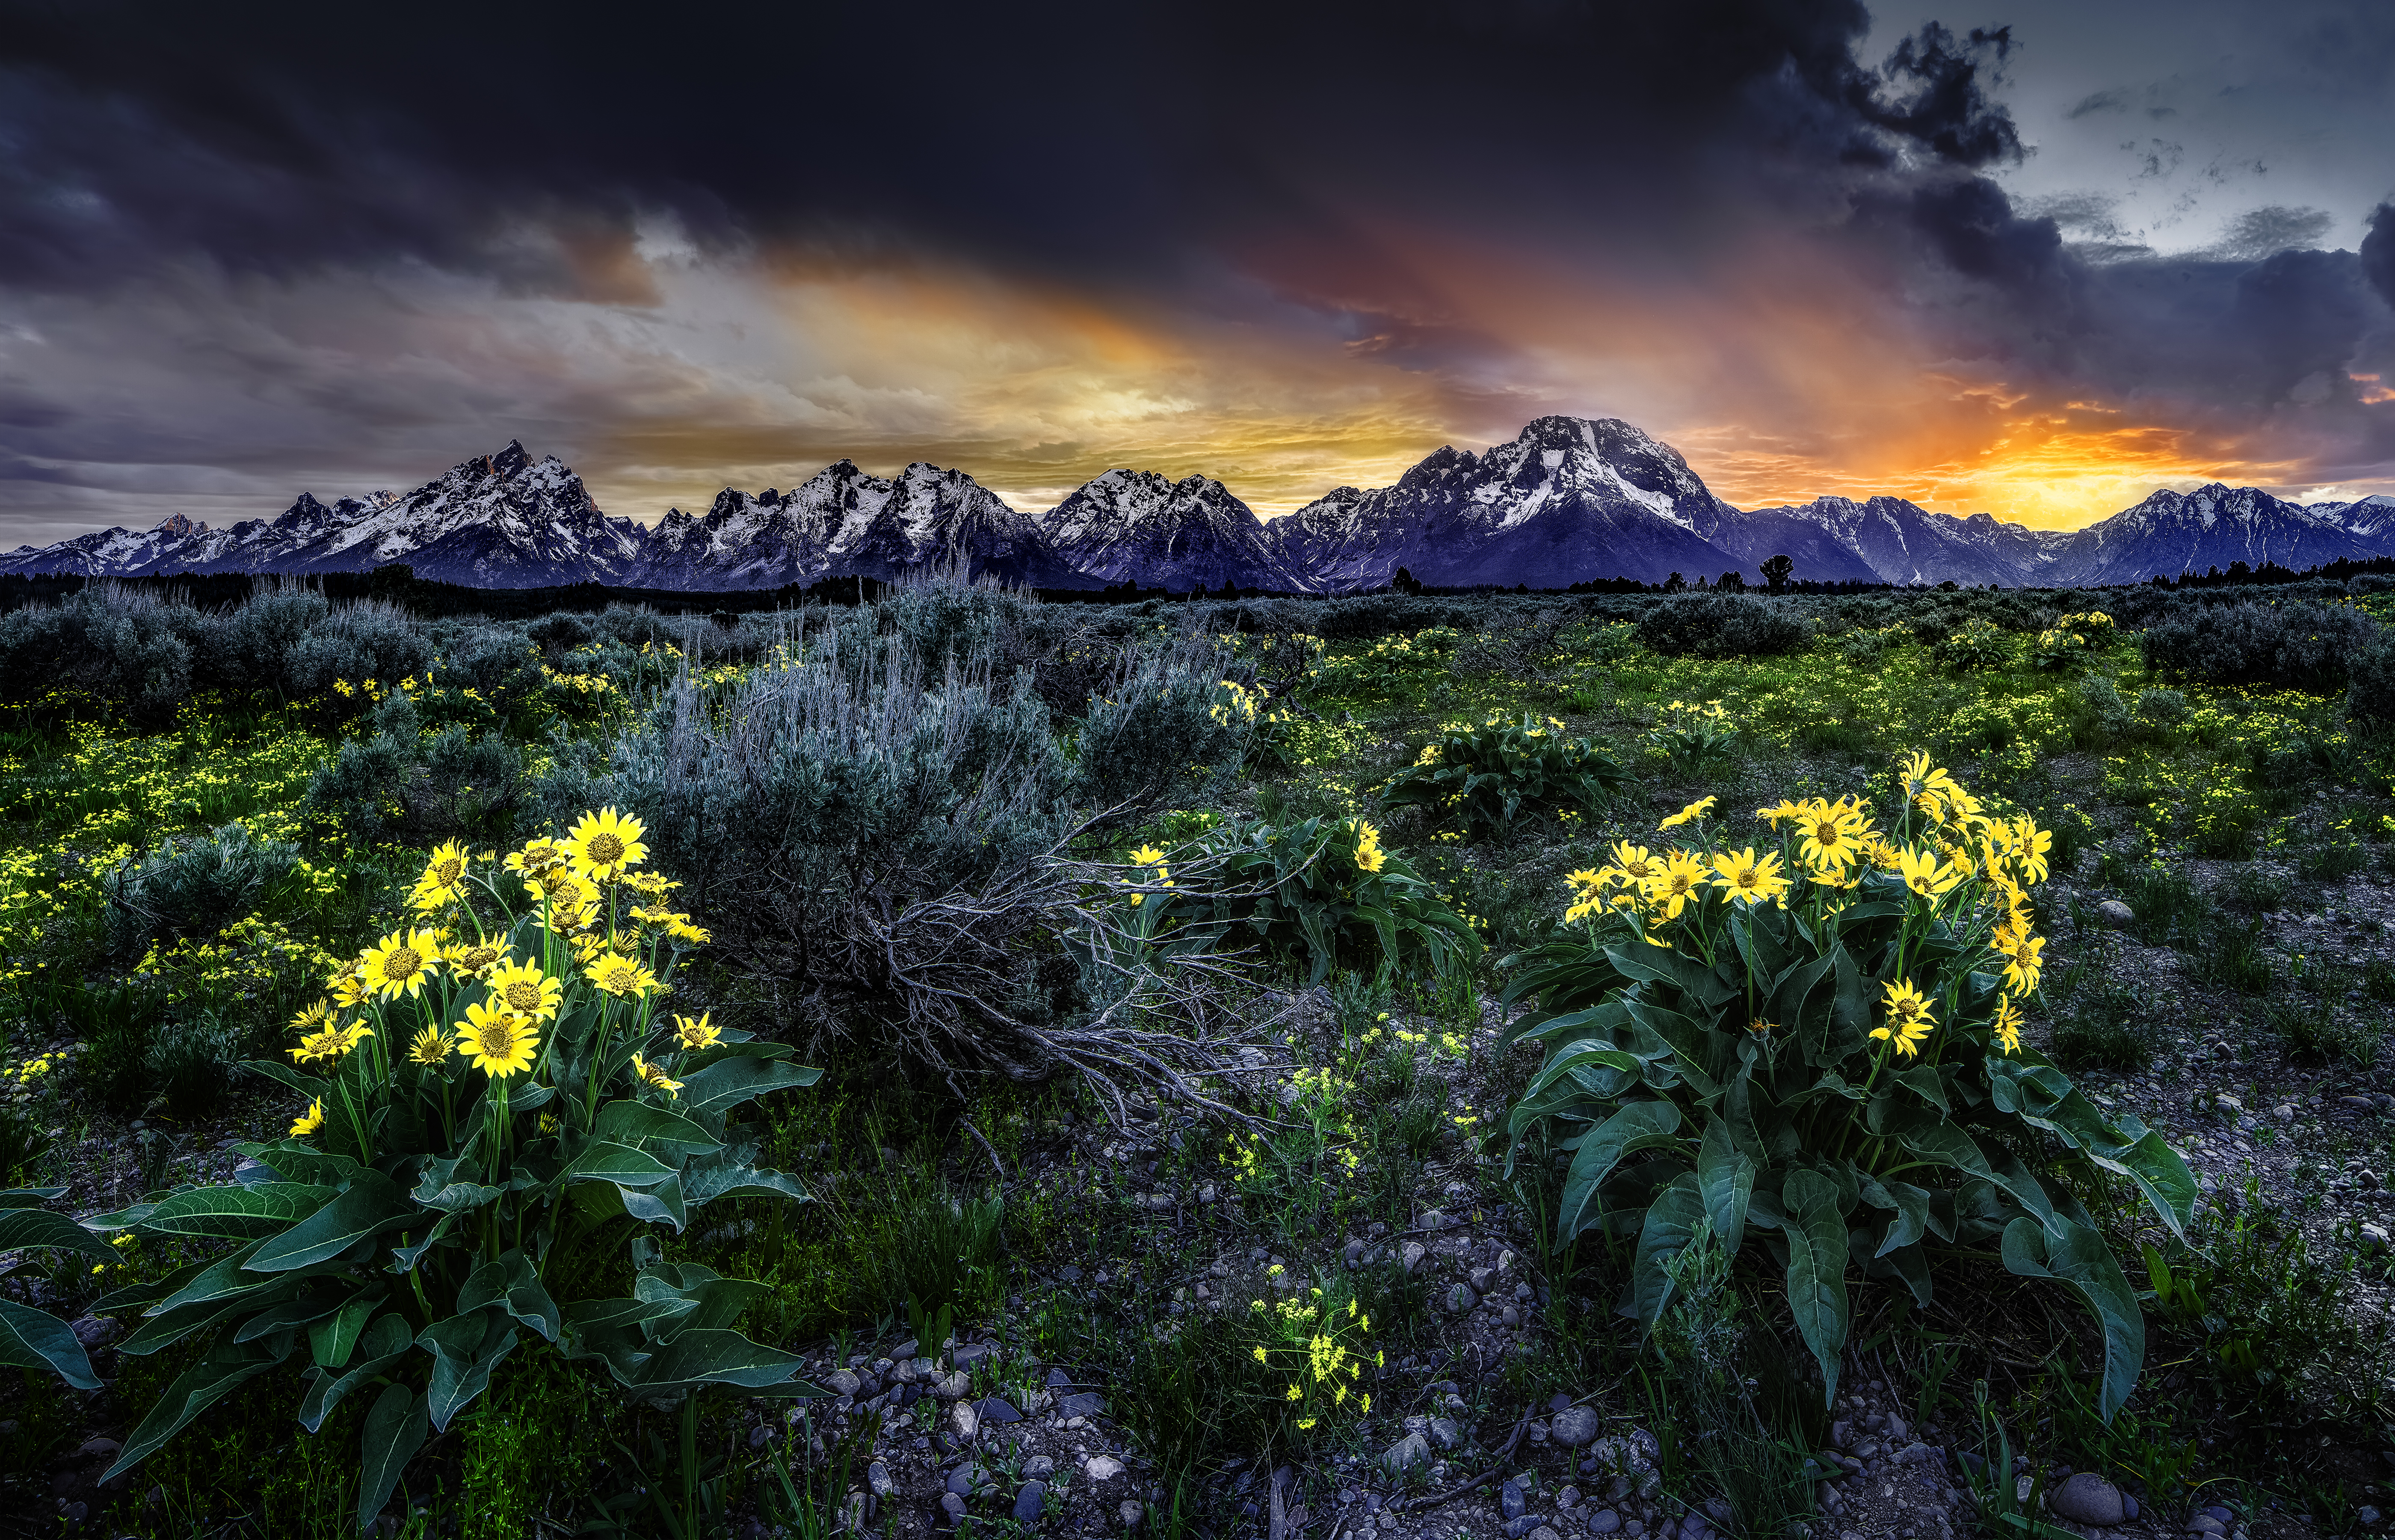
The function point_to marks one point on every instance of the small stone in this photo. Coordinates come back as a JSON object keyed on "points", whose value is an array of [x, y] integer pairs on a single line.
{"points": [[2204, 1523], [1575, 1426], [1480, 1278], [2373, 1235], [1567, 1497], [1412, 1255], [1509, 1316], [95, 1332], [839, 1382], [1102, 1467], [1444, 1432], [997, 1410], [1406, 1453], [1039, 1468], [1841, 1433], [1087, 1403], [1130, 1514], [1435, 1220], [2088, 1498], [963, 1480], [954, 1507], [2367, 1515], [1603, 1521], [966, 1421], [1029, 1502], [1354, 1253], [98, 1449], [1543, 1532], [1461, 1298], [1510, 1501], [907, 1349], [2116, 914], [953, 1386], [878, 1482]]}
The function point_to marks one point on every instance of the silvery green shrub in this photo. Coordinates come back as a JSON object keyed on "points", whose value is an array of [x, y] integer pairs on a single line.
{"points": [[193, 886]]}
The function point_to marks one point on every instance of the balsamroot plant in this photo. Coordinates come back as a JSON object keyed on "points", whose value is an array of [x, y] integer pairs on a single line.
{"points": [[1321, 891], [1484, 776], [1815, 1049], [492, 1095]]}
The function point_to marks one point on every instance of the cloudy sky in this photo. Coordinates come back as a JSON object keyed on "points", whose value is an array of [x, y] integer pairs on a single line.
{"points": [[2036, 258]]}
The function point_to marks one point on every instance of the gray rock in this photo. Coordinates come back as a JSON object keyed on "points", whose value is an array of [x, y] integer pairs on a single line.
{"points": [[1510, 1501], [1603, 1521], [2088, 1498], [839, 1382], [1461, 1298], [1102, 1467], [878, 1482], [97, 1332], [953, 1386], [963, 1480], [1354, 1253], [966, 1421], [1130, 1514], [2204, 1523], [996, 1411], [1718, 1511], [907, 1349], [1575, 1426], [1414, 1254], [1030, 1502], [954, 1507], [1543, 1532], [1038, 1467], [1406, 1453], [1444, 1432], [2116, 914]]}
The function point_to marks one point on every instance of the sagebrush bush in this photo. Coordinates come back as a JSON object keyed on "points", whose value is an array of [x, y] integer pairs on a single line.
{"points": [[192, 886], [407, 781], [895, 839], [2301, 645], [1721, 625], [2370, 694]]}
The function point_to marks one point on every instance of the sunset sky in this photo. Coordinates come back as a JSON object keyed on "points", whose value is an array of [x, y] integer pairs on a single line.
{"points": [[2036, 260]]}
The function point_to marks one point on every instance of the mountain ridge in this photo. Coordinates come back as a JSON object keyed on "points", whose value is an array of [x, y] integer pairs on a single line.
{"points": [[1567, 500]]}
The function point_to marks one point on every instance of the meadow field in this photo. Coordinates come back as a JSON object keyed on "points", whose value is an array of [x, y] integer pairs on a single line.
{"points": [[1904, 1063]]}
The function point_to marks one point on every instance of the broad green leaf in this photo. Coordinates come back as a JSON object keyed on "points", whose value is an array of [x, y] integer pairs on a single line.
{"points": [[1640, 1125], [622, 1165], [660, 1204], [220, 1279], [407, 1255], [236, 1213], [1817, 1270], [636, 1123], [199, 1388], [726, 1174], [372, 1204], [25, 1229], [2160, 1174], [1924, 1080], [308, 1085], [511, 1285], [1726, 1179], [16, 1198], [36, 1339], [714, 1356], [298, 1162], [730, 1082], [2076, 1255], [331, 1342], [385, 1343], [465, 1349], [394, 1431], [714, 1301], [165, 1329], [289, 1315], [1672, 1221]]}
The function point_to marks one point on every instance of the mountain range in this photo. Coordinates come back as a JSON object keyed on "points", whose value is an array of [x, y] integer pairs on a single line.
{"points": [[1567, 500]]}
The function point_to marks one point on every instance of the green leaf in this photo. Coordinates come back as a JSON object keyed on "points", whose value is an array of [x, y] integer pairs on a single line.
{"points": [[165, 1329], [661, 1205], [16, 1198], [197, 1388], [727, 1174], [331, 1342], [308, 1085], [2076, 1255], [2160, 1174], [394, 1431], [728, 1083], [372, 1204], [24, 1228], [36, 1339], [236, 1213], [1671, 1223], [465, 1349], [300, 1163], [1817, 1270], [220, 1279], [636, 1123], [406, 1257], [1640, 1125], [1924, 1080], [713, 1356], [385, 1343], [1726, 1179], [511, 1285], [622, 1165]]}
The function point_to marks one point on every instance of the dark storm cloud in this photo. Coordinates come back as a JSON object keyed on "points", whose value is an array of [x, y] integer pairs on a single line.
{"points": [[2378, 252], [526, 140]]}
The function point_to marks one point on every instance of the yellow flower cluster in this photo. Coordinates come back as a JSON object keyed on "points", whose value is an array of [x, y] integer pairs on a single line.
{"points": [[1949, 850]]}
